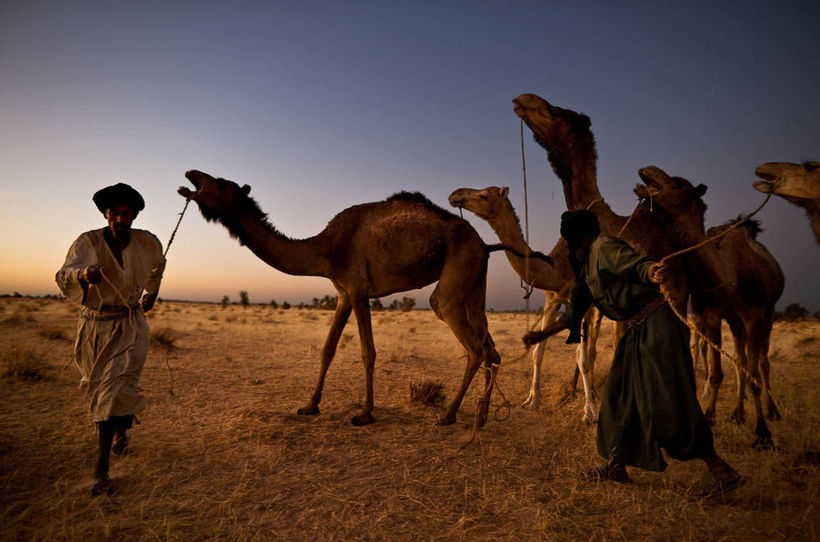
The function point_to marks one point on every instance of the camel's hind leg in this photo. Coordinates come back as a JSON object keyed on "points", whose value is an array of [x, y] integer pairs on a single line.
{"points": [[765, 374], [343, 308], [711, 329], [756, 333], [551, 305], [463, 312]]}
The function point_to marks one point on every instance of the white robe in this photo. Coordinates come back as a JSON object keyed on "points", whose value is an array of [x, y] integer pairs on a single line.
{"points": [[112, 334]]}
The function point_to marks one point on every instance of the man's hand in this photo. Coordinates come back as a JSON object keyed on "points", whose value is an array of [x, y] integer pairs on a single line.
{"points": [[147, 302], [658, 273], [91, 274], [533, 337]]}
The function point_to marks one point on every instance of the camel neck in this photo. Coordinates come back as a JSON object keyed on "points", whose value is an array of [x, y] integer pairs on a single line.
{"points": [[533, 271], [306, 257]]}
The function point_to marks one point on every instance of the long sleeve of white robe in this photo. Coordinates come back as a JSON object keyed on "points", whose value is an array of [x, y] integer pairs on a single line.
{"points": [[112, 334]]}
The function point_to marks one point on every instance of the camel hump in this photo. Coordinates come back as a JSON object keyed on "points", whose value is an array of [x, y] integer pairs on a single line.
{"points": [[421, 199], [752, 226]]}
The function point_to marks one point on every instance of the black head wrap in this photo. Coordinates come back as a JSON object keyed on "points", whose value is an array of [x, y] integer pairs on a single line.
{"points": [[575, 227], [118, 194], [578, 224]]}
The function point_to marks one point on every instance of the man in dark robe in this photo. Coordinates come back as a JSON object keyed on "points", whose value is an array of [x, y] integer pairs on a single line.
{"points": [[649, 400]]}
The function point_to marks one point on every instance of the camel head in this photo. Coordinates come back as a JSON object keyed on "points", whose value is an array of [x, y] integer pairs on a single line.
{"points": [[674, 196], [487, 203], [792, 182], [549, 123], [221, 200]]}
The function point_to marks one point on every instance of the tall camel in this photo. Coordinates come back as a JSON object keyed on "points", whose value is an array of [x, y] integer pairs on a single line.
{"points": [[493, 205], [796, 183], [368, 251], [737, 280], [570, 145]]}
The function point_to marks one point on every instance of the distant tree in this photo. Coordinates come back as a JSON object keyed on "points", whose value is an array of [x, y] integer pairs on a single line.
{"points": [[243, 298], [225, 301], [376, 305], [817, 315], [407, 304], [274, 304], [794, 311], [285, 305]]}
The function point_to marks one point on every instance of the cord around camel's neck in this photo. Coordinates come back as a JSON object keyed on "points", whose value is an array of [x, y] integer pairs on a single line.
{"points": [[533, 271]]}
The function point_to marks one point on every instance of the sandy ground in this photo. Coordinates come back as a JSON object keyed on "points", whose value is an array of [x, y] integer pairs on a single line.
{"points": [[226, 456]]}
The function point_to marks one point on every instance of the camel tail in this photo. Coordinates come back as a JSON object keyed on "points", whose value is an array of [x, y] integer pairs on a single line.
{"points": [[532, 254]]}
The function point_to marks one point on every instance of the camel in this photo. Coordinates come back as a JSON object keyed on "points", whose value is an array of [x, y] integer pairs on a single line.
{"points": [[738, 280], [493, 205], [570, 146], [796, 183], [368, 251]]}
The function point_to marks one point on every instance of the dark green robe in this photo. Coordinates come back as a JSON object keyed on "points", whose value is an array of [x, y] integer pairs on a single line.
{"points": [[649, 400]]}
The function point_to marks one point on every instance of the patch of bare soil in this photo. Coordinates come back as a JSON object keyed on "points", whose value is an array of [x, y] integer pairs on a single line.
{"points": [[227, 457]]}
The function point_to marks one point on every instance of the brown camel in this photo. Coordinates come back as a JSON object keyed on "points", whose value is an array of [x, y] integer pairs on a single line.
{"points": [[734, 278], [570, 146], [369, 251], [796, 183], [493, 205]]}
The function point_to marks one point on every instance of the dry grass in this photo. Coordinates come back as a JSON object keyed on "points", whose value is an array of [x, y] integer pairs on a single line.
{"points": [[228, 458]]}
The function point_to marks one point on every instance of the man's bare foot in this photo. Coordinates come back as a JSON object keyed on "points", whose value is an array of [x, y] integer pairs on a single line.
{"points": [[609, 472]]}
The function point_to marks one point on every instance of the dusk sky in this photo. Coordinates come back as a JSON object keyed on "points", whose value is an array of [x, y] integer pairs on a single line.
{"points": [[323, 105]]}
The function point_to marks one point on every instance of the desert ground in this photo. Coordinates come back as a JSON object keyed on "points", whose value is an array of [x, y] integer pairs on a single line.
{"points": [[221, 454]]}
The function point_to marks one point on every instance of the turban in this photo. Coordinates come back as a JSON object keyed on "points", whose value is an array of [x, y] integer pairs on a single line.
{"points": [[118, 194], [578, 224]]}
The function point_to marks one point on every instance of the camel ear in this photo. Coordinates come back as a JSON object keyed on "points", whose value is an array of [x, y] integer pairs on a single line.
{"points": [[246, 189], [504, 191], [700, 190]]}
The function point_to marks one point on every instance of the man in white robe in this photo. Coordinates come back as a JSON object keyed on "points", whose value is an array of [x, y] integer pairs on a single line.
{"points": [[114, 273]]}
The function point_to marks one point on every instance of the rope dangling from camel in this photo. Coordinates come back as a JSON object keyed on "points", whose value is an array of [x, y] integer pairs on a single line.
{"points": [[524, 285], [174, 233]]}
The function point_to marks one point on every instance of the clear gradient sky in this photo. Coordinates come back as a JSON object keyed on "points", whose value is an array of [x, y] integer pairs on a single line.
{"points": [[322, 105]]}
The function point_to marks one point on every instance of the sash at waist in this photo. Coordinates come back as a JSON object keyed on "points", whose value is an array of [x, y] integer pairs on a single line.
{"points": [[109, 312]]}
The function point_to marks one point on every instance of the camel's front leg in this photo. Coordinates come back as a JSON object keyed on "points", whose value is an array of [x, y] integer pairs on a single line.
{"points": [[328, 351], [551, 305], [587, 352], [361, 308]]}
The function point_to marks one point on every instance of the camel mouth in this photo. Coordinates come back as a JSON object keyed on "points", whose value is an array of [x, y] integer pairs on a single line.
{"points": [[193, 177], [766, 186], [649, 188]]}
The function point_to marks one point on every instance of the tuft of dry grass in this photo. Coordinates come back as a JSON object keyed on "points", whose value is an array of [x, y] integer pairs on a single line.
{"points": [[166, 338], [54, 334], [23, 364], [427, 393]]}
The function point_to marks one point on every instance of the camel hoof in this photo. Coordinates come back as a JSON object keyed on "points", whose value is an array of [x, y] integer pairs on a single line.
{"points": [[310, 410], [763, 443], [362, 419], [446, 420], [103, 486], [737, 418], [567, 397]]}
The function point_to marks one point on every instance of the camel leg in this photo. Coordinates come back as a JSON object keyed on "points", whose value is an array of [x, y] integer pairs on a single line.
{"points": [[586, 365], [711, 329], [755, 334], [740, 338], [765, 374], [551, 305], [469, 334], [343, 308], [361, 308]]}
